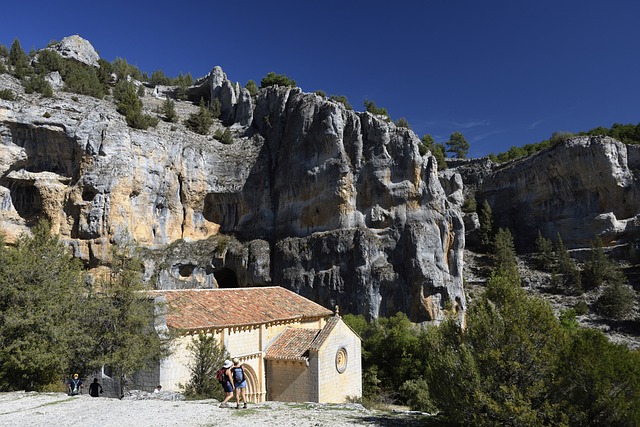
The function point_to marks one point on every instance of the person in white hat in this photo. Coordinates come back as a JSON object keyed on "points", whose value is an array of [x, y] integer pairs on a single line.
{"points": [[225, 378]]}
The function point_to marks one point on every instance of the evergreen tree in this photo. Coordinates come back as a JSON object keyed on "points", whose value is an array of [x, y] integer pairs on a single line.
{"points": [[201, 121], [169, 110], [599, 269], [122, 319], [504, 253], [427, 144], [545, 256], [208, 357], [458, 145], [616, 301], [343, 100], [40, 310], [252, 87], [567, 277], [485, 217], [19, 60], [440, 155], [372, 108], [273, 79]]}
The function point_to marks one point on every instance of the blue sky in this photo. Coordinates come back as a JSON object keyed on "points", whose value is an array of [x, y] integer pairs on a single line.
{"points": [[504, 73]]}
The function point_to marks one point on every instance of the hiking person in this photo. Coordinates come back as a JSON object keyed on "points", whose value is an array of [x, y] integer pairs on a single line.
{"points": [[239, 381], [95, 389], [226, 380], [75, 385]]}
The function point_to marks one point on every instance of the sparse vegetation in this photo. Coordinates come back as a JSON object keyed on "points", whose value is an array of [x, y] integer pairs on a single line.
{"points": [[343, 100], [372, 108], [7, 95], [252, 87], [224, 136], [129, 105], [273, 79], [201, 121]]}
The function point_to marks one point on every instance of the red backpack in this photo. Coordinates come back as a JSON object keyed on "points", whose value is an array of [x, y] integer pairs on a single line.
{"points": [[221, 375]]}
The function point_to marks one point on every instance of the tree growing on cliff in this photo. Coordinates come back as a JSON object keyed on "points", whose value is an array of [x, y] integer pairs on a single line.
{"points": [[19, 60], [273, 79], [458, 145], [252, 87], [201, 121], [599, 269], [372, 108], [130, 106], [485, 217], [567, 277]]}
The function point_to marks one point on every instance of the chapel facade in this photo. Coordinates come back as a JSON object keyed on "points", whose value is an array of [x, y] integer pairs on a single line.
{"points": [[292, 349]]}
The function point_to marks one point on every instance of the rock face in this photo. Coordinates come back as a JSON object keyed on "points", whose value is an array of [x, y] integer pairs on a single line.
{"points": [[335, 204], [75, 47], [583, 188]]}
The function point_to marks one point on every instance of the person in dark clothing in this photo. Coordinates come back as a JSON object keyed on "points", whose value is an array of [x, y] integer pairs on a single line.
{"points": [[95, 389], [75, 385], [227, 382]]}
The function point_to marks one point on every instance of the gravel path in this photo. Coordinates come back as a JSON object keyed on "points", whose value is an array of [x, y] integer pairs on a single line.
{"points": [[58, 409]]}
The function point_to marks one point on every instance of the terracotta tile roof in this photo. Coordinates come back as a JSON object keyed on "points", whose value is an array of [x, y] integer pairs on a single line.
{"points": [[292, 344], [192, 309], [324, 333]]}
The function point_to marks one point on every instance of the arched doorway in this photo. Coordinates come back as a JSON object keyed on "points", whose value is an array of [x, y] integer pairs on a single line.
{"points": [[254, 392]]}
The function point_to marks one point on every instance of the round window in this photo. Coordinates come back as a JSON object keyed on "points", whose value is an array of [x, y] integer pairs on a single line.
{"points": [[341, 360]]}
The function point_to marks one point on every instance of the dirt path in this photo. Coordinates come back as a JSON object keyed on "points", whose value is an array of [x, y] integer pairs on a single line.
{"points": [[58, 409]]}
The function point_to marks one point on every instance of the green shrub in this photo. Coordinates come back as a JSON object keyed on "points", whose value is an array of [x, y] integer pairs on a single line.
{"points": [[342, 100], [83, 79], [252, 87], [616, 301], [19, 60], [372, 108], [129, 105], [37, 83], [49, 61], [46, 115], [216, 108], [427, 143], [201, 121], [159, 78], [402, 123], [321, 93], [169, 110], [273, 79], [224, 136], [7, 95]]}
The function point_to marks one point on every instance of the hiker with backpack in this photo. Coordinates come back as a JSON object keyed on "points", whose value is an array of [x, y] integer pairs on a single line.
{"points": [[224, 377], [239, 381]]}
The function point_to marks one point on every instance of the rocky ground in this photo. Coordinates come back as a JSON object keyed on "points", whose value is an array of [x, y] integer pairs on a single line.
{"points": [[58, 409]]}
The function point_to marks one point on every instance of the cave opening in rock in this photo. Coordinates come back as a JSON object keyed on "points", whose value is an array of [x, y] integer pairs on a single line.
{"points": [[186, 270], [26, 200], [226, 278]]}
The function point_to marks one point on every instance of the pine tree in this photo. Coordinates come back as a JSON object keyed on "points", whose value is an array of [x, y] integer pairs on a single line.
{"points": [[40, 311], [208, 357], [485, 217], [122, 318], [458, 145]]}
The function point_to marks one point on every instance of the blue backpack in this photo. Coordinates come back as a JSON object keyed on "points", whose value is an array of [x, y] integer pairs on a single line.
{"points": [[238, 375]]}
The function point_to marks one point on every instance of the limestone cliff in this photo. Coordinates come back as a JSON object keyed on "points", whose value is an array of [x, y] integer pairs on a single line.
{"points": [[335, 204], [582, 188]]}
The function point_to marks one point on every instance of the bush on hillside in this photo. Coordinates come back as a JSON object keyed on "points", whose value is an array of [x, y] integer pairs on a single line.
{"points": [[201, 121], [273, 79]]}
